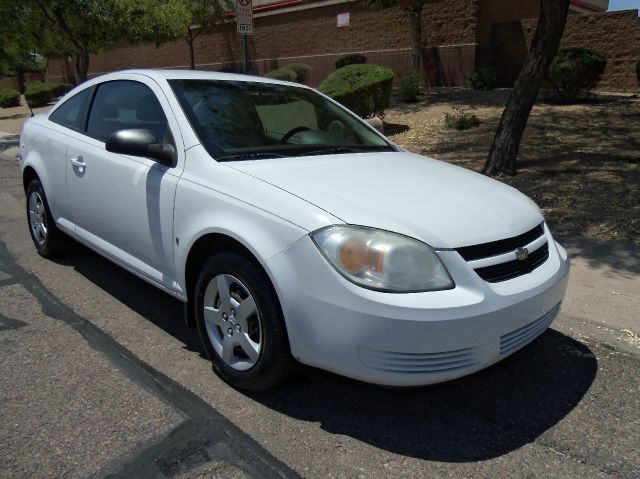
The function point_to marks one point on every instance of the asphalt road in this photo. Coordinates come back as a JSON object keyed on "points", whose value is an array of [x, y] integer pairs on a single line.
{"points": [[101, 378]]}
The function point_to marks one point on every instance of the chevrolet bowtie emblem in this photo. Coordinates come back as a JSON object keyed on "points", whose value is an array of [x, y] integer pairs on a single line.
{"points": [[522, 254]]}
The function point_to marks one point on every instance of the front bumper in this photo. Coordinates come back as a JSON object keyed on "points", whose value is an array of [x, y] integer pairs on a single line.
{"points": [[415, 338]]}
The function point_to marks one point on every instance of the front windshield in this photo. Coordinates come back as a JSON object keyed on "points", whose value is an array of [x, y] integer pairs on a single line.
{"points": [[238, 120]]}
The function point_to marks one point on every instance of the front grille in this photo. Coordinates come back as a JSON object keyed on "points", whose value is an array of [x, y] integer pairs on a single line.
{"points": [[418, 363], [512, 269], [514, 340], [494, 248], [494, 273]]}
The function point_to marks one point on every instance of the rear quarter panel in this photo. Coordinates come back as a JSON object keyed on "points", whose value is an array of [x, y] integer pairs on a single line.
{"points": [[44, 148]]}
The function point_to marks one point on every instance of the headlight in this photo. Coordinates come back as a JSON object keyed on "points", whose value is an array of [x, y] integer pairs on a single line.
{"points": [[381, 260]]}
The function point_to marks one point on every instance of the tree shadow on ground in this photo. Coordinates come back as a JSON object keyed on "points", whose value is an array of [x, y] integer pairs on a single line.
{"points": [[579, 163], [478, 417]]}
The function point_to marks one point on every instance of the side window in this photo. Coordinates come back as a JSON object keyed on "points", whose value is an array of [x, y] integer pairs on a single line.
{"points": [[124, 105], [71, 112]]}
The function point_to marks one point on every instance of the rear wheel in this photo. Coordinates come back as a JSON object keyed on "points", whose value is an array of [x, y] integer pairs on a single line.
{"points": [[240, 323], [46, 236]]}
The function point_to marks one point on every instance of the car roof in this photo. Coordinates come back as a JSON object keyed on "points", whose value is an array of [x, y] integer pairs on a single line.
{"points": [[179, 74]]}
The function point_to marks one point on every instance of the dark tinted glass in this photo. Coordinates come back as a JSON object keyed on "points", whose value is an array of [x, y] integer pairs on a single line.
{"points": [[70, 113], [239, 119], [124, 105]]}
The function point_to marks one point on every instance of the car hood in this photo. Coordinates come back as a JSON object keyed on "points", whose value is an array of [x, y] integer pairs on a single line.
{"points": [[444, 205]]}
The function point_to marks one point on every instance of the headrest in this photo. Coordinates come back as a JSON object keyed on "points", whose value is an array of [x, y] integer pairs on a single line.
{"points": [[149, 109], [109, 112]]}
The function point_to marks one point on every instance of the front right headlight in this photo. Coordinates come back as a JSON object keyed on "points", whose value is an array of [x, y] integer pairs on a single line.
{"points": [[381, 260]]}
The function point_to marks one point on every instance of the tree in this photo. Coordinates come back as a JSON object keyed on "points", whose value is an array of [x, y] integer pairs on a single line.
{"points": [[414, 9], [92, 26], [506, 142], [21, 36], [203, 15]]}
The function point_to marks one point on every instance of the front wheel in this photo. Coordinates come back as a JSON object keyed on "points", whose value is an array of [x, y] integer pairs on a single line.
{"points": [[240, 323]]}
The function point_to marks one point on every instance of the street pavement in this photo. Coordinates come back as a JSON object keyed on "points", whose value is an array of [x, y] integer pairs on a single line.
{"points": [[100, 378]]}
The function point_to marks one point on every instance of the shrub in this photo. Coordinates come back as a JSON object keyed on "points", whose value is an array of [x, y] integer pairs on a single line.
{"points": [[483, 79], [575, 71], [39, 94], [409, 87], [9, 97], [302, 71], [461, 120], [282, 74], [354, 59], [364, 89]]}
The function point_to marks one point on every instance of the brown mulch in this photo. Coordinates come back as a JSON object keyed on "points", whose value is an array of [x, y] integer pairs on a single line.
{"points": [[579, 163]]}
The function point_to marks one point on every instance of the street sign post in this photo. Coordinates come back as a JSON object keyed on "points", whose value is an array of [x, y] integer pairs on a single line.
{"points": [[244, 26]]}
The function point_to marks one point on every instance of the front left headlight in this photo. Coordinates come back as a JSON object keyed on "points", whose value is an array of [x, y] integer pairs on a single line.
{"points": [[381, 260]]}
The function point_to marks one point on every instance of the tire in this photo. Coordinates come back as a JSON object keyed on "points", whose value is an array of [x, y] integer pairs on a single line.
{"points": [[240, 323], [46, 236]]}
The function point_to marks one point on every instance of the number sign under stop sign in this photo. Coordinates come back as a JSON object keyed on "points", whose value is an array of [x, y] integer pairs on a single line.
{"points": [[244, 16]]}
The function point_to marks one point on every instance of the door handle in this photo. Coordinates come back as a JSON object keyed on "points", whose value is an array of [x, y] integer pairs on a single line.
{"points": [[78, 163]]}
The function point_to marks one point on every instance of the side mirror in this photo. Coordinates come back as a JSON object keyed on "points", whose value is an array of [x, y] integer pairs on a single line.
{"points": [[141, 143]]}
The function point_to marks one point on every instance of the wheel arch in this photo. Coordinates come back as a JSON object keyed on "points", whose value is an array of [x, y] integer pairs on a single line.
{"points": [[28, 175], [211, 243]]}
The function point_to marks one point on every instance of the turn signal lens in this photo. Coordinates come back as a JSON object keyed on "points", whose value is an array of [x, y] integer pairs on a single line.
{"points": [[382, 260]]}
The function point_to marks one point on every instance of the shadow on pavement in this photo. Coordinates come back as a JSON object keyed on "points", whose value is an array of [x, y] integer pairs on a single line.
{"points": [[475, 418], [479, 417]]}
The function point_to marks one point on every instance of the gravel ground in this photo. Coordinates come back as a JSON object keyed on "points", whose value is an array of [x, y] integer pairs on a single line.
{"points": [[579, 163]]}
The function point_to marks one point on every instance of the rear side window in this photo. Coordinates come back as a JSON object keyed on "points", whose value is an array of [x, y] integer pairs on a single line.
{"points": [[71, 112], [123, 105]]}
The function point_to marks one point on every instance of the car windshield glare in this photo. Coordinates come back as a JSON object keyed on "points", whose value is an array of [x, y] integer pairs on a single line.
{"points": [[241, 120]]}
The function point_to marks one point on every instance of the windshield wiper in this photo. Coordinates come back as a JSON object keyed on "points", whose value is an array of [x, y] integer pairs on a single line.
{"points": [[347, 149], [250, 156]]}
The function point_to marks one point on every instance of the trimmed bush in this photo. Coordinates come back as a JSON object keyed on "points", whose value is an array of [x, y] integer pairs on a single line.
{"points": [[282, 74], [9, 97], [354, 59], [461, 120], [39, 94], [302, 71], [364, 89], [483, 79], [576, 71], [409, 87]]}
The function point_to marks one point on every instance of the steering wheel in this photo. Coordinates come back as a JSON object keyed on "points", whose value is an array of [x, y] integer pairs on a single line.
{"points": [[290, 133]]}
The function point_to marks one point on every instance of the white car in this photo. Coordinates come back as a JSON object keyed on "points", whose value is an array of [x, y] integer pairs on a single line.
{"points": [[291, 228]]}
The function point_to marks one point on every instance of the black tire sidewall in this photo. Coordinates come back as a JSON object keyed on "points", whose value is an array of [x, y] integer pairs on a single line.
{"points": [[273, 362], [50, 246]]}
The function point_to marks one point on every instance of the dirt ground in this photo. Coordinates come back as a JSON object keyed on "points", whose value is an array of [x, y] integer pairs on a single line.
{"points": [[579, 163]]}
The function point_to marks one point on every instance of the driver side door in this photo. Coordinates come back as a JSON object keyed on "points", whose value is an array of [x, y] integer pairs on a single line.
{"points": [[123, 205]]}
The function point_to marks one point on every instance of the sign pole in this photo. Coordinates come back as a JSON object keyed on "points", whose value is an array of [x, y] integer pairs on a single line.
{"points": [[245, 53], [244, 26]]}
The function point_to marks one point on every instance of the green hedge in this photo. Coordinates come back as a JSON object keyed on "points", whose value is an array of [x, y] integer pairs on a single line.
{"points": [[575, 71], [302, 71], [9, 97], [364, 89], [353, 59], [39, 94], [483, 79], [282, 74]]}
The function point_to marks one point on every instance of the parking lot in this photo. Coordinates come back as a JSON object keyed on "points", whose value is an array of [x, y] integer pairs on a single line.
{"points": [[101, 378]]}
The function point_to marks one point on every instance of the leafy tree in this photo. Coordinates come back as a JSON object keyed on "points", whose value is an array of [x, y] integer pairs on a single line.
{"points": [[203, 14], [92, 26], [506, 142], [414, 9], [20, 40]]}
